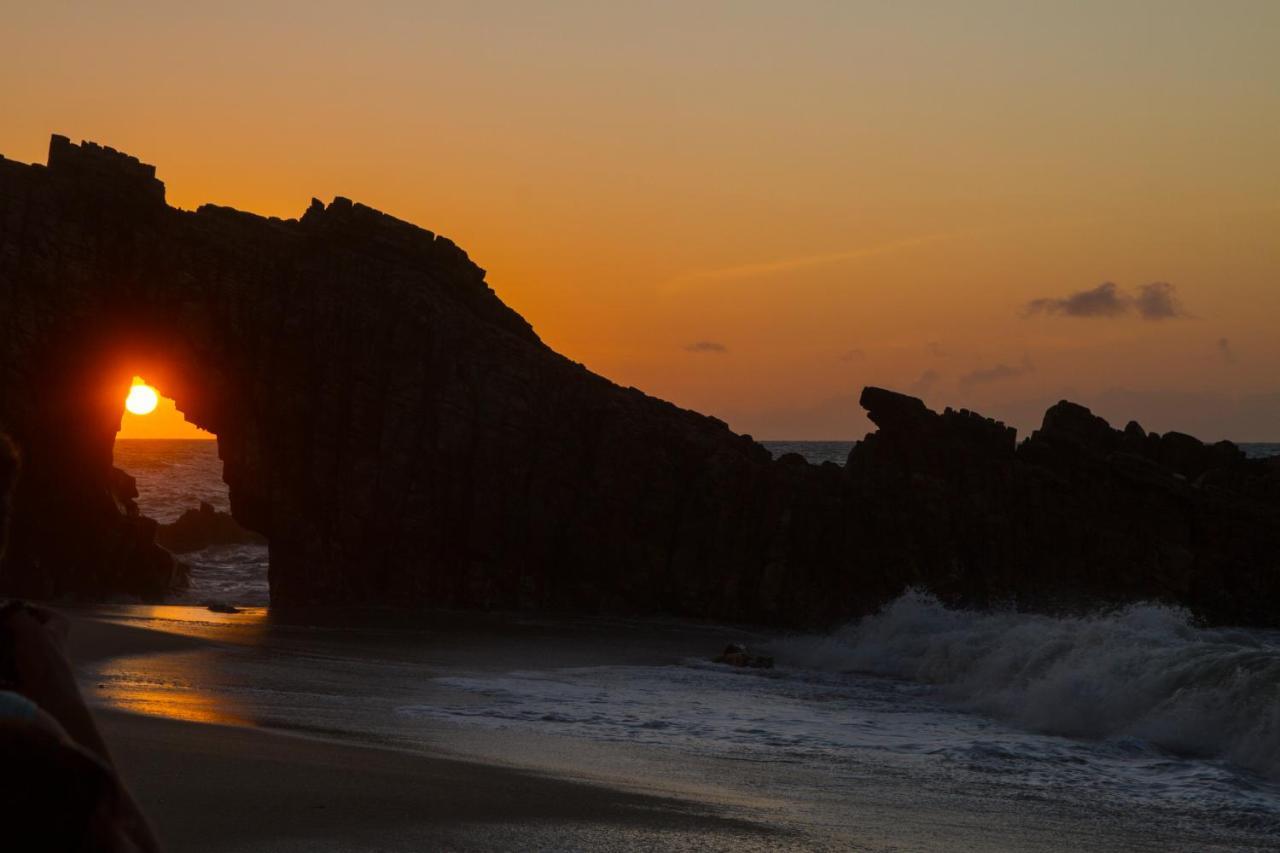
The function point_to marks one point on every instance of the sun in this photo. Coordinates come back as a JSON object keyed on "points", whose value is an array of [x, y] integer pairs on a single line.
{"points": [[142, 399]]}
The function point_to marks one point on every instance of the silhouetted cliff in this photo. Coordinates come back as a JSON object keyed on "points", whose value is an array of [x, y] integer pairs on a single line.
{"points": [[403, 437]]}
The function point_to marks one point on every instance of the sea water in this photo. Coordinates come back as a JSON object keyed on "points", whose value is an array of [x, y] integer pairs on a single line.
{"points": [[1133, 713], [174, 476], [920, 728]]}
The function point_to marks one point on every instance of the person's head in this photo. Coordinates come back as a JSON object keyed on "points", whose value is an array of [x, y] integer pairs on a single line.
{"points": [[8, 476]]}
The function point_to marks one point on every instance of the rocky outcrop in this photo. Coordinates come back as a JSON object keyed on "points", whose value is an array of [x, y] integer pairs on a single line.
{"points": [[201, 527], [1076, 514], [403, 437], [736, 654]]}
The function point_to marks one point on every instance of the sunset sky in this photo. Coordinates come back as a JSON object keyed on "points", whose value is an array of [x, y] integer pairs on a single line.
{"points": [[754, 209]]}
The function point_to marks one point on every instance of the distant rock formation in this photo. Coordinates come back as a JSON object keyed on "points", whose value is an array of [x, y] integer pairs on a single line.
{"points": [[1078, 513], [403, 437], [199, 528]]}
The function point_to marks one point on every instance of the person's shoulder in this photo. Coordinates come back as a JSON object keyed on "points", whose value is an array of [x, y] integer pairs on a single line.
{"points": [[15, 706]]}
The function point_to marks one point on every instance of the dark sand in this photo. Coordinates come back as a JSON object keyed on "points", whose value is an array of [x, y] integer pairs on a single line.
{"points": [[229, 788], [211, 787], [247, 733]]}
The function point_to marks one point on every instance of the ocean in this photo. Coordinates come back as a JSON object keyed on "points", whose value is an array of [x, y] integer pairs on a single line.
{"points": [[923, 727], [175, 476]]}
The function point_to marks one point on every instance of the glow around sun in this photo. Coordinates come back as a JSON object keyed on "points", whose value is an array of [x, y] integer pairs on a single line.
{"points": [[142, 399]]}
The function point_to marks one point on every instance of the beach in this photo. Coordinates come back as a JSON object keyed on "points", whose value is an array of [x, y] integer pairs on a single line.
{"points": [[221, 788], [233, 786], [241, 733]]}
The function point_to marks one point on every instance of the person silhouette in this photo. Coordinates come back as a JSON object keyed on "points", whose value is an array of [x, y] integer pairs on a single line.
{"points": [[59, 789]]}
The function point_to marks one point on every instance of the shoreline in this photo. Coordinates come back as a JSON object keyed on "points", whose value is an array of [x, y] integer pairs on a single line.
{"points": [[241, 733], [244, 786], [216, 787]]}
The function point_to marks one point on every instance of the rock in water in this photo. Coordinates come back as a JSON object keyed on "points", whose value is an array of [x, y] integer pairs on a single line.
{"points": [[404, 438], [199, 528], [736, 654]]}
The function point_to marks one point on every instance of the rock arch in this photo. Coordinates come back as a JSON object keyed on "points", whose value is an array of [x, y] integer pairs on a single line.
{"points": [[403, 437], [397, 432]]}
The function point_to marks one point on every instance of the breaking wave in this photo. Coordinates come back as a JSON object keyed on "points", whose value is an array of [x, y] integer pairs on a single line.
{"points": [[1145, 672]]}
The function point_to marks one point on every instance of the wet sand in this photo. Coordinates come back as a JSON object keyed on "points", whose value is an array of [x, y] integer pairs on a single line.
{"points": [[221, 788], [212, 787], [247, 733]]}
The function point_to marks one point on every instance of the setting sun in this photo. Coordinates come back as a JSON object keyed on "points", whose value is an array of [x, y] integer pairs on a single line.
{"points": [[151, 415], [142, 399]]}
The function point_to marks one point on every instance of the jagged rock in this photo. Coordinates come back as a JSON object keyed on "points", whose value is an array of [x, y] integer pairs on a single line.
{"points": [[221, 607], [736, 654], [1078, 513], [202, 527], [402, 437], [1071, 422]]}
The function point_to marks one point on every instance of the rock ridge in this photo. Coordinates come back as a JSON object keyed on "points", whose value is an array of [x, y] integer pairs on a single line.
{"points": [[402, 437]]}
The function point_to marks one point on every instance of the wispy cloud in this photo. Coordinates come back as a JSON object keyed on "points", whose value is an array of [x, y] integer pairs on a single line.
{"points": [[1102, 301], [784, 265], [998, 373], [1155, 301], [706, 346], [852, 355]]}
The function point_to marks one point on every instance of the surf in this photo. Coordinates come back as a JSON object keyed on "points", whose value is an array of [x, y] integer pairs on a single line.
{"points": [[1144, 672]]}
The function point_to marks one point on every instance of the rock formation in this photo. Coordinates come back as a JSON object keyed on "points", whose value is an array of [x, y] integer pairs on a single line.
{"points": [[201, 527], [1076, 514], [403, 437]]}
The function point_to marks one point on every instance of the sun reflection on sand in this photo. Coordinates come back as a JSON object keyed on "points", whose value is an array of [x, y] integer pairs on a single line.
{"points": [[194, 686], [175, 703], [179, 679], [249, 626]]}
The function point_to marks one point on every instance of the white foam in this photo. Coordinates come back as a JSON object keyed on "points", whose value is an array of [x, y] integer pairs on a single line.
{"points": [[1145, 672]]}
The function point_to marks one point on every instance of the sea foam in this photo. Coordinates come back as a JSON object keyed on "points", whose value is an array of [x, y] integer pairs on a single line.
{"points": [[1144, 672]]}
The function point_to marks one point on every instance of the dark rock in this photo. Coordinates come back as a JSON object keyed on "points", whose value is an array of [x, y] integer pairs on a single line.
{"points": [[200, 528], [404, 438], [735, 654], [221, 607], [894, 412], [1071, 422]]}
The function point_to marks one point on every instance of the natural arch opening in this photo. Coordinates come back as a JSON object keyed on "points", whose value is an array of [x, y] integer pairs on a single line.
{"points": [[177, 476]]}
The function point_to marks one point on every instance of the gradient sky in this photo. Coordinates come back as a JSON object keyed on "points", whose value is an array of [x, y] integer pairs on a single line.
{"points": [[754, 209]]}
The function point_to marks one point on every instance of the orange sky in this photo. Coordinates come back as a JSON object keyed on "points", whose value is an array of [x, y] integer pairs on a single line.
{"points": [[165, 422], [753, 209]]}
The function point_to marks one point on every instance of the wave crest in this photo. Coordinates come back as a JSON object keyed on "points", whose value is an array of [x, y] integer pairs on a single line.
{"points": [[1143, 672]]}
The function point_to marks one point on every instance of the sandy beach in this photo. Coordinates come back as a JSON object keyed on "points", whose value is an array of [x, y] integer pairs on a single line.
{"points": [[221, 788], [215, 787], [468, 732]]}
